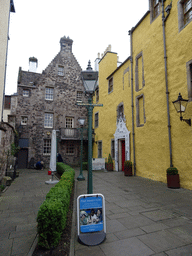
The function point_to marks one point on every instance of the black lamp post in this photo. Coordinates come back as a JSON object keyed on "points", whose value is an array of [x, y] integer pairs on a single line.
{"points": [[81, 122], [180, 105], [89, 78]]}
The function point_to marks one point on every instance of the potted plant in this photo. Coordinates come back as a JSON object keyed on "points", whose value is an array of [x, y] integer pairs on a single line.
{"points": [[109, 164], [173, 178], [128, 168]]}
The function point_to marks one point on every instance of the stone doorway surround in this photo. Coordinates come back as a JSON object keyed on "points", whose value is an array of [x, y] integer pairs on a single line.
{"points": [[121, 133]]}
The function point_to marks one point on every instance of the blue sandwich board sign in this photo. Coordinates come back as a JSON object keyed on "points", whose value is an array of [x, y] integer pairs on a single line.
{"points": [[91, 219]]}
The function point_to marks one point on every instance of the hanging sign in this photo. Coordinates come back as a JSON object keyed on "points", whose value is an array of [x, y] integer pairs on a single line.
{"points": [[91, 219]]}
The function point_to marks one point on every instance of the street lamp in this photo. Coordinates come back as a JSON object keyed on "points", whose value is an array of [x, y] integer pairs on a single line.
{"points": [[89, 78], [81, 122], [180, 105]]}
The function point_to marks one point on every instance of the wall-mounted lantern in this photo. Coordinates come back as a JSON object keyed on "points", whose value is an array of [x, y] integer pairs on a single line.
{"points": [[180, 105]]}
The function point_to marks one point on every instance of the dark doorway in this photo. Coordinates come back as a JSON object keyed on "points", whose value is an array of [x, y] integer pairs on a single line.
{"points": [[23, 158]]}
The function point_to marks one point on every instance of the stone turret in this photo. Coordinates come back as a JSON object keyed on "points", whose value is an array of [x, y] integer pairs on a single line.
{"points": [[66, 44]]}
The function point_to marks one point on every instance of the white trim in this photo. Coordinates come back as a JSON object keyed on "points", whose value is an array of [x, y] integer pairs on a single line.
{"points": [[121, 133]]}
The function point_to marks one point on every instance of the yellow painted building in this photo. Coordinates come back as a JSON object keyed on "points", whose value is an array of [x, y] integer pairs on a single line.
{"points": [[6, 6], [138, 120]]}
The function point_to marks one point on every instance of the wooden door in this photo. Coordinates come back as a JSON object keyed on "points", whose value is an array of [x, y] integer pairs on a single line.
{"points": [[123, 153], [23, 158]]}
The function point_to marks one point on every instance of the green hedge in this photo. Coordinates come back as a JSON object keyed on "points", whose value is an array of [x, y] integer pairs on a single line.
{"points": [[60, 168], [52, 213]]}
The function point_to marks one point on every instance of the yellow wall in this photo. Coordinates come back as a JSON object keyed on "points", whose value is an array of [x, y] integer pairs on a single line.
{"points": [[151, 140], [4, 14], [120, 94]]}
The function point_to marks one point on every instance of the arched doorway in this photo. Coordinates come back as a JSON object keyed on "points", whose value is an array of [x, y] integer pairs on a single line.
{"points": [[122, 144]]}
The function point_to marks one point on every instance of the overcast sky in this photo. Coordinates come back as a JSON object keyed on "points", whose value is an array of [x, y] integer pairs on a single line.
{"points": [[37, 26]]}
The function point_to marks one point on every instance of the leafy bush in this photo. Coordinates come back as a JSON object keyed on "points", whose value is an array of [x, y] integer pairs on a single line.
{"points": [[128, 163], [52, 213], [172, 171], [110, 160], [60, 168]]}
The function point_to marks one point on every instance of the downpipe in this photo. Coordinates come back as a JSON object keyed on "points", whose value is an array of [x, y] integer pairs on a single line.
{"points": [[164, 19]]}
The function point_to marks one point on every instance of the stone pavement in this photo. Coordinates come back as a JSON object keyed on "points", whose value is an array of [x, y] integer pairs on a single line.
{"points": [[143, 217], [19, 205]]}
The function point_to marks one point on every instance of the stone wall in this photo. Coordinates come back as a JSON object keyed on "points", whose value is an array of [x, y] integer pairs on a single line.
{"points": [[34, 107]]}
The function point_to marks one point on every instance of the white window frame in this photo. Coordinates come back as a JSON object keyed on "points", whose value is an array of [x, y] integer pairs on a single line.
{"points": [[60, 70], [47, 147], [49, 93], [48, 120], [69, 122], [24, 120], [25, 93], [79, 96]]}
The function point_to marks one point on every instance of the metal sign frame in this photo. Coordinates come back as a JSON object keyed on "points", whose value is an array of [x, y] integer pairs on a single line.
{"points": [[94, 231]]}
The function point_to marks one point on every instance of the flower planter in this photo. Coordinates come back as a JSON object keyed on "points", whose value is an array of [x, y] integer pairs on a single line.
{"points": [[173, 181], [109, 167], [128, 170]]}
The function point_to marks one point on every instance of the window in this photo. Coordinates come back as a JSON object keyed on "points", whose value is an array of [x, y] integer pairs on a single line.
{"points": [[25, 93], [139, 72], [48, 121], [79, 96], [112, 148], [99, 149], [69, 122], [70, 149], [187, 11], [189, 79], [154, 9], [97, 94], [47, 146], [96, 120], [184, 13], [110, 85], [60, 71], [120, 111], [24, 120], [48, 93], [140, 111]]}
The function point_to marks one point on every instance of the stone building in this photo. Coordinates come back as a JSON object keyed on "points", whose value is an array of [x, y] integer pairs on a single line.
{"points": [[47, 102]]}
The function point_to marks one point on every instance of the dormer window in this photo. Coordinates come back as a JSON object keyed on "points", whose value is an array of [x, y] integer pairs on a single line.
{"points": [[60, 70]]}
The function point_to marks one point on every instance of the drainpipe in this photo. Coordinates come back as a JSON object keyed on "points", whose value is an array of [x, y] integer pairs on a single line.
{"points": [[167, 9], [132, 102]]}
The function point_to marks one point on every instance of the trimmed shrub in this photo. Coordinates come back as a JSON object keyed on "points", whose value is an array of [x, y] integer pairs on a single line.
{"points": [[60, 167], [52, 213]]}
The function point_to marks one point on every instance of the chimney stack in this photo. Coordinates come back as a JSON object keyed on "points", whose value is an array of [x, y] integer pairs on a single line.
{"points": [[33, 63]]}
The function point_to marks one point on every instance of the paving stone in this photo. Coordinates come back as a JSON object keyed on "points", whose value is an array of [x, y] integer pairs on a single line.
{"points": [[129, 233], [154, 227], [22, 245], [118, 215], [158, 215], [128, 247], [5, 247], [114, 226], [90, 251], [161, 241], [182, 251]]}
